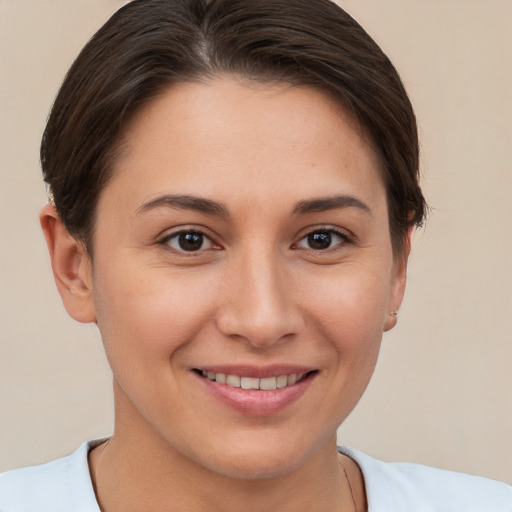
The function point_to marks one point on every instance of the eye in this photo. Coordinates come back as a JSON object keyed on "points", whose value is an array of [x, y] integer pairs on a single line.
{"points": [[189, 241], [322, 240]]}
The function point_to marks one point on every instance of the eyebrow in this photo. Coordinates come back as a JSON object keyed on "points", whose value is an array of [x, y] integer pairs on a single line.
{"points": [[186, 202], [203, 205], [323, 204]]}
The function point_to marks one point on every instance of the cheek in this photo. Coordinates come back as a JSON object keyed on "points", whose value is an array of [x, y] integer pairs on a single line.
{"points": [[145, 317], [351, 303], [348, 309]]}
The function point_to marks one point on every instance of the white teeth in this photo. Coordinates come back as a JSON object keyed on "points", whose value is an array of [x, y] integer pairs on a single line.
{"points": [[282, 381], [233, 381], [268, 383], [249, 383]]}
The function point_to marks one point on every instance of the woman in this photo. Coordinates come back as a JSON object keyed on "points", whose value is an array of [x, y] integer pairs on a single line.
{"points": [[234, 184]]}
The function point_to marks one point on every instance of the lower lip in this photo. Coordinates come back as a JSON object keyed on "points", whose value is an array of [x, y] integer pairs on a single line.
{"points": [[255, 402]]}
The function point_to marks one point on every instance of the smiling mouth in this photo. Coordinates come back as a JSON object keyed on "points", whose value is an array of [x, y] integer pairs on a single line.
{"points": [[265, 384]]}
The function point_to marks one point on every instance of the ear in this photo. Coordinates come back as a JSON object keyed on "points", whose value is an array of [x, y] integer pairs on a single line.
{"points": [[398, 281], [71, 267]]}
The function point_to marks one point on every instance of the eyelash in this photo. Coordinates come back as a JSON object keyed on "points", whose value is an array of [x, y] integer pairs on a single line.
{"points": [[330, 231], [205, 238], [184, 232]]}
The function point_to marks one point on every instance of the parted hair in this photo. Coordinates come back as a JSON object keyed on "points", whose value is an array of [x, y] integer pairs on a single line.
{"points": [[148, 45]]}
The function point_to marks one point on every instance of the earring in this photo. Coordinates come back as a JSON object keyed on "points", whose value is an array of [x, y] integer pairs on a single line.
{"points": [[393, 313]]}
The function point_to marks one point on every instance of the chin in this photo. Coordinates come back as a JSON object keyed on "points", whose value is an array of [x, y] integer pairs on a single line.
{"points": [[243, 466], [257, 461]]}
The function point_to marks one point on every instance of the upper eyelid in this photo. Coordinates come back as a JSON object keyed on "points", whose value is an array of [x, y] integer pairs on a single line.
{"points": [[346, 237], [170, 234], [182, 254], [304, 232], [325, 227]]}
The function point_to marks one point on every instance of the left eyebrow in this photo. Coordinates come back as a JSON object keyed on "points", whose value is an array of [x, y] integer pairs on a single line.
{"points": [[322, 204]]}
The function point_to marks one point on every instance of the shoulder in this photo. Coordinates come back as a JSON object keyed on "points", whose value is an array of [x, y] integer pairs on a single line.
{"points": [[405, 487], [63, 485]]}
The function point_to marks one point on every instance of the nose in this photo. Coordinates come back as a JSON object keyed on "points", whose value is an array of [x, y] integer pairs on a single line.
{"points": [[259, 304]]}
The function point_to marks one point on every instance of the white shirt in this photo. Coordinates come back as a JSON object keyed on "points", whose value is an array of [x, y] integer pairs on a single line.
{"points": [[64, 485]]}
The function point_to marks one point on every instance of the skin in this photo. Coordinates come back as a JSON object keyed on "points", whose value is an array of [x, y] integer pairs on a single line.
{"points": [[256, 293]]}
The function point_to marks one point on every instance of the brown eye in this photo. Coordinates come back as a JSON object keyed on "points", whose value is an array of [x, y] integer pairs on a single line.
{"points": [[189, 241], [322, 240], [319, 240]]}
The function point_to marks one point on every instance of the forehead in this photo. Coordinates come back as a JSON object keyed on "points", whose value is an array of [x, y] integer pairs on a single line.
{"points": [[224, 134], [207, 107]]}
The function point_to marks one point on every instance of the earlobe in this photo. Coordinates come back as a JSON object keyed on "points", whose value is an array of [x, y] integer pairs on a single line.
{"points": [[71, 267], [399, 280]]}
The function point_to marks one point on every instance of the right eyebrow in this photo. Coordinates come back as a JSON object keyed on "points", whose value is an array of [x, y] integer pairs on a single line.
{"points": [[186, 202]]}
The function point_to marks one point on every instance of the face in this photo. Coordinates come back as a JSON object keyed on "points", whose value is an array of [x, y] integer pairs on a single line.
{"points": [[242, 242]]}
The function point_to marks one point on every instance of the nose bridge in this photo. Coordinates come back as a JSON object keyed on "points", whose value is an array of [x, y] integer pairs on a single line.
{"points": [[260, 305]]}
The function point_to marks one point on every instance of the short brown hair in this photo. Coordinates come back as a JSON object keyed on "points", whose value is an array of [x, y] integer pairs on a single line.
{"points": [[150, 44]]}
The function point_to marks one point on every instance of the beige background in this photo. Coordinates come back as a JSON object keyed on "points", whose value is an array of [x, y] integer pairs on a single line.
{"points": [[441, 394]]}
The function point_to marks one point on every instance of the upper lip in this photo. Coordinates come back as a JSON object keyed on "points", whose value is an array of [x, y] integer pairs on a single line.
{"points": [[257, 372]]}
